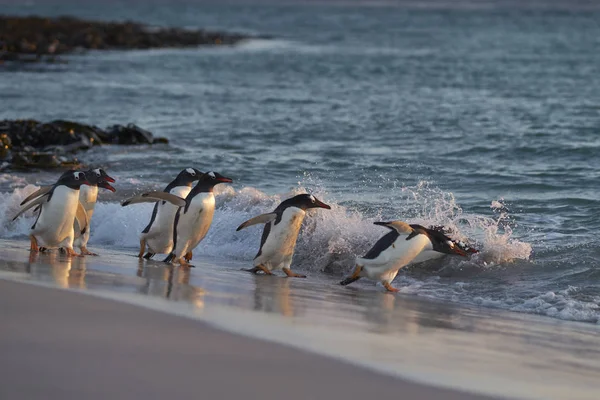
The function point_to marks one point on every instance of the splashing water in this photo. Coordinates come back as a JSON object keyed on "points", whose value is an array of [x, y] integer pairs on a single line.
{"points": [[329, 239]]}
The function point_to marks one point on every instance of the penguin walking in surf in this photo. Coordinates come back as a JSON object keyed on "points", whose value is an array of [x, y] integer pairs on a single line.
{"points": [[194, 218], [60, 207], [88, 195], [158, 234], [405, 244], [280, 234]]}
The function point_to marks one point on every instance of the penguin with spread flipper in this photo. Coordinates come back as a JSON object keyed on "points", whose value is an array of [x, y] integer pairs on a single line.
{"points": [[158, 234], [399, 248], [194, 218], [280, 234], [60, 207]]}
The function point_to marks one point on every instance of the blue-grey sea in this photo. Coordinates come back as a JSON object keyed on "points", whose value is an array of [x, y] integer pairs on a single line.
{"points": [[481, 116]]}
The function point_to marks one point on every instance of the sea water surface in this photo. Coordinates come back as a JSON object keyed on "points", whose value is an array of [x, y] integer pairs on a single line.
{"points": [[484, 119]]}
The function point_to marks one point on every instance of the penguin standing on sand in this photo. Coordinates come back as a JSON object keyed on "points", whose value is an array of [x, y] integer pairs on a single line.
{"points": [[399, 248], [59, 208], [280, 234], [88, 195], [158, 234], [194, 218]]}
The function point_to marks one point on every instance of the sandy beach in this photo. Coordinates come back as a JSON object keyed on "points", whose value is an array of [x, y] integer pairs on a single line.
{"points": [[128, 328], [60, 345]]}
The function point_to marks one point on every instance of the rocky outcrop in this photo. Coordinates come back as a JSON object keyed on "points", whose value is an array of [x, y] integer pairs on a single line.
{"points": [[42, 39], [30, 144]]}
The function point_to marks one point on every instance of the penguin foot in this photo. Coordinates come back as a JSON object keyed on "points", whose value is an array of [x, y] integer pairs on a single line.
{"points": [[291, 274], [258, 268], [71, 253], [43, 249], [188, 256], [389, 287], [184, 263], [34, 245], [86, 252], [354, 277], [142, 248]]}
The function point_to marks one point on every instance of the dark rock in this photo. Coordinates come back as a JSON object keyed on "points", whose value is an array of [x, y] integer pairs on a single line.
{"points": [[5, 146], [130, 134], [30, 144], [32, 39], [42, 160]]}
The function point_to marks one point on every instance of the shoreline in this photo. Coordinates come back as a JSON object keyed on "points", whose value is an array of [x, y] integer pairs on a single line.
{"points": [[406, 337], [132, 350]]}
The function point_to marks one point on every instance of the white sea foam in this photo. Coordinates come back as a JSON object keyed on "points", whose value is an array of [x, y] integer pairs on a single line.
{"points": [[329, 241]]}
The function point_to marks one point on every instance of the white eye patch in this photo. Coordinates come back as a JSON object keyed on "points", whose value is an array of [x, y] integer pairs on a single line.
{"points": [[191, 171], [212, 174], [77, 175], [97, 172], [312, 198]]}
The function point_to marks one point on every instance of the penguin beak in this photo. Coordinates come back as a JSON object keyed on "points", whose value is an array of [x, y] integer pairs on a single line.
{"points": [[225, 180], [109, 179], [319, 203], [106, 185], [458, 251]]}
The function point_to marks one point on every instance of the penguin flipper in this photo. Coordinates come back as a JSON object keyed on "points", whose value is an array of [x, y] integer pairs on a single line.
{"points": [[399, 226], [32, 204], [38, 193], [81, 219], [153, 197], [261, 219]]}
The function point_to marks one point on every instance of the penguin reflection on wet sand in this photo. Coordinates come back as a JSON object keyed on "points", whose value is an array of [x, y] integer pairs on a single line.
{"points": [[405, 244], [158, 234], [280, 234], [60, 206]]}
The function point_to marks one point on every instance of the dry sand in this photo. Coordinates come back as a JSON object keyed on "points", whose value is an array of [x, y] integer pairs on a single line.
{"points": [[58, 344]]}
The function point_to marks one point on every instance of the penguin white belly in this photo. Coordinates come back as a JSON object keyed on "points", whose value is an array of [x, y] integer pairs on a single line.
{"points": [[54, 227], [87, 197], [386, 265], [193, 225], [427, 255], [160, 236], [278, 249]]}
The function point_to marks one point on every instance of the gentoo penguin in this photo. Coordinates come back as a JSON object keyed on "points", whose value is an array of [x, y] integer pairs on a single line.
{"points": [[59, 208], [158, 234], [87, 197], [399, 248], [280, 233], [193, 219]]}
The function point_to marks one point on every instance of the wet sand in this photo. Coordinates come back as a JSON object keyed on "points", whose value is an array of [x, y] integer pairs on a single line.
{"points": [[223, 330], [62, 344]]}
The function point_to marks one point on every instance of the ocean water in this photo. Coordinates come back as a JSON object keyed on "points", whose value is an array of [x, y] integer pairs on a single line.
{"points": [[482, 116]]}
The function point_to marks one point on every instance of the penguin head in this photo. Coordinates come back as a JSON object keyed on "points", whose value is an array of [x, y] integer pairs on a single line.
{"points": [[440, 242], [73, 179], [207, 182], [214, 178], [187, 176], [100, 178], [306, 201], [459, 244]]}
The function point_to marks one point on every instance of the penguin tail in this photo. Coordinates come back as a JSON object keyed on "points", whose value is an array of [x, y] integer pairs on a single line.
{"points": [[169, 258]]}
